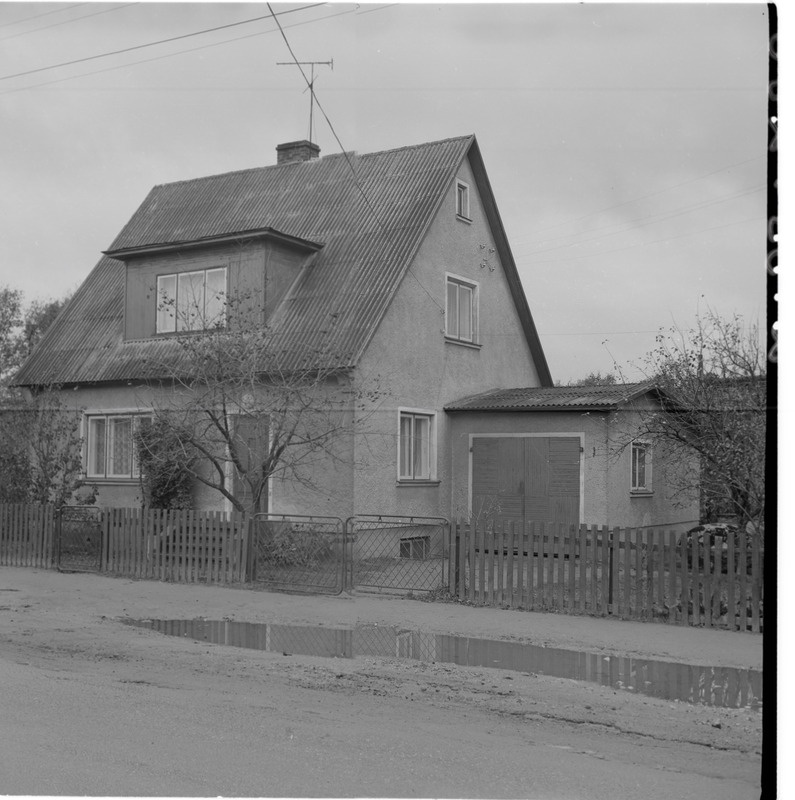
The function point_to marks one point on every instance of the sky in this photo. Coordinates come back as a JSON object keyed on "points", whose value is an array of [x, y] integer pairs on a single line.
{"points": [[626, 144]]}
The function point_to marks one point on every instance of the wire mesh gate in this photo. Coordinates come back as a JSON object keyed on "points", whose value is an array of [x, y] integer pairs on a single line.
{"points": [[398, 553], [298, 553], [79, 539]]}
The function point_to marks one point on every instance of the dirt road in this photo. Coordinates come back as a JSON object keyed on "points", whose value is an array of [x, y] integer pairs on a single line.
{"points": [[91, 706]]}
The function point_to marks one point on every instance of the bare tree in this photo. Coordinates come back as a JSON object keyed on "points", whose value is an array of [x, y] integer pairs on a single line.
{"points": [[240, 411], [713, 386]]}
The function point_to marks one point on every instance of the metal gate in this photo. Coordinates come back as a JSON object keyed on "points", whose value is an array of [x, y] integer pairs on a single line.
{"points": [[400, 553], [79, 539], [298, 553]]}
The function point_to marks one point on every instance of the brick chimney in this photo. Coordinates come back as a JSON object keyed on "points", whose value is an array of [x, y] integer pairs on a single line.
{"points": [[291, 152]]}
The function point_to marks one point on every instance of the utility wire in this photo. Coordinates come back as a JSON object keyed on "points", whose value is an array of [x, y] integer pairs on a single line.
{"points": [[651, 194], [43, 14], [191, 49], [367, 202], [640, 222], [67, 21], [152, 44], [645, 244]]}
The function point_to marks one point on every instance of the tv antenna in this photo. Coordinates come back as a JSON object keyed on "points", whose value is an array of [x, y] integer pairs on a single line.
{"points": [[311, 87]]}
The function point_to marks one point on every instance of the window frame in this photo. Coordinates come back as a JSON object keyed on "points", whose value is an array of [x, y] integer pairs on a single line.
{"points": [[459, 282], [179, 324], [412, 476], [635, 487], [462, 209], [90, 455]]}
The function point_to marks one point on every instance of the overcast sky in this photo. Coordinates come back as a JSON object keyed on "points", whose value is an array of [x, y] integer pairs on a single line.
{"points": [[626, 144]]}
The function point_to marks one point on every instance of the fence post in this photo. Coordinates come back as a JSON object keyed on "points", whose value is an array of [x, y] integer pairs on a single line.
{"points": [[455, 542]]}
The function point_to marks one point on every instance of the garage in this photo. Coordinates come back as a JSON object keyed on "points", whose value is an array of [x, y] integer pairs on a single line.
{"points": [[527, 477]]}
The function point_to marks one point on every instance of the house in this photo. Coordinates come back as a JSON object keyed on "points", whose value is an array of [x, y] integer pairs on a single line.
{"points": [[392, 264], [568, 454], [389, 269]]}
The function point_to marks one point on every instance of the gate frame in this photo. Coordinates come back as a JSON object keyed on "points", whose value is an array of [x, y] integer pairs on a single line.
{"points": [[407, 519], [275, 517], [59, 535]]}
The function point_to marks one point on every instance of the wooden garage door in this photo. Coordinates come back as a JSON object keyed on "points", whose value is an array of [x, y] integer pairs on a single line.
{"points": [[531, 478]]}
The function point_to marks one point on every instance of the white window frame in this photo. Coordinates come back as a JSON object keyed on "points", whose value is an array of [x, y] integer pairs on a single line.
{"points": [[462, 195], [108, 418], [176, 321], [452, 318], [634, 486], [411, 475]]}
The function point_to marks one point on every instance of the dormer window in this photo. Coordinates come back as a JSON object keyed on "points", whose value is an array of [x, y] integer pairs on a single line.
{"points": [[462, 200], [191, 301]]}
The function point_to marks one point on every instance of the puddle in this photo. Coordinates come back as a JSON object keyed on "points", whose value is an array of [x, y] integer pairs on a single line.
{"points": [[714, 686]]}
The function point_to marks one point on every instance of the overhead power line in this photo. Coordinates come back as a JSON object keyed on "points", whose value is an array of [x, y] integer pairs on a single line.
{"points": [[196, 49], [645, 244], [67, 21], [43, 14], [575, 220], [311, 88], [639, 222], [153, 44]]}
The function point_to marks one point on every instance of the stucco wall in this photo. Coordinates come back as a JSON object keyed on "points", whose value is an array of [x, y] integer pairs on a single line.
{"points": [[663, 505], [328, 485], [410, 364], [594, 505], [606, 460]]}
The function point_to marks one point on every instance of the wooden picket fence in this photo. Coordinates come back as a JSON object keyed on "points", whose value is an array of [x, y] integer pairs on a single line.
{"points": [[176, 545], [639, 574], [26, 535]]}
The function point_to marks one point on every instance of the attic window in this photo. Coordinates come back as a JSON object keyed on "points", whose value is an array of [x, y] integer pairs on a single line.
{"points": [[461, 313], [462, 200], [191, 301], [640, 479]]}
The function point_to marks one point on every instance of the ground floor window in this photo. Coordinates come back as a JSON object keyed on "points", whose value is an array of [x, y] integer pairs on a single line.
{"points": [[110, 446], [416, 449]]}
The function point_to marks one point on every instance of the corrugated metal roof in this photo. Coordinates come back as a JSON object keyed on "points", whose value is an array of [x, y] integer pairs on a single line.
{"points": [[554, 398], [336, 303]]}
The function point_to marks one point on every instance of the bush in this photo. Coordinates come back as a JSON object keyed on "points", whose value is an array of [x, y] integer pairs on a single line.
{"points": [[284, 544]]}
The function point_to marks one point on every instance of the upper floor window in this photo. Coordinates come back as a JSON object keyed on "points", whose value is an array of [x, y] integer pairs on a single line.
{"points": [[110, 445], [641, 467], [462, 200], [191, 301], [417, 446], [461, 314]]}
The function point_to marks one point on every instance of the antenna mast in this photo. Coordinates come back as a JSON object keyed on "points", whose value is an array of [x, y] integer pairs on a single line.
{"points": [[311, 87]]}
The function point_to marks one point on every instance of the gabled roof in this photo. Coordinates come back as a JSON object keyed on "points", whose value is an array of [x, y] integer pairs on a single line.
{"points": [[370, 226], [555, 398]]}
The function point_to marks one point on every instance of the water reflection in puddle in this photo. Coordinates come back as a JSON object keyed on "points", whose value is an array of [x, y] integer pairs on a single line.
{"points": [[714, 686]]}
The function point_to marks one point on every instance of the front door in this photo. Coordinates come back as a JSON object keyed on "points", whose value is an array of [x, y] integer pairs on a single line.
{"points": [[527, 478]]}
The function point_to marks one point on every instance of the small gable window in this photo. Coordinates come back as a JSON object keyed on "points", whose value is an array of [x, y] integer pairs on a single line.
{"points": [[191, 301], [461, 313], [641, 467], [462, 200], [416, 456], [110, 445]]}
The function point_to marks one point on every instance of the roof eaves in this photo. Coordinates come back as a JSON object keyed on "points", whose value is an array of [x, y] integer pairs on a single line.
{"points": [[260, 233]]}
